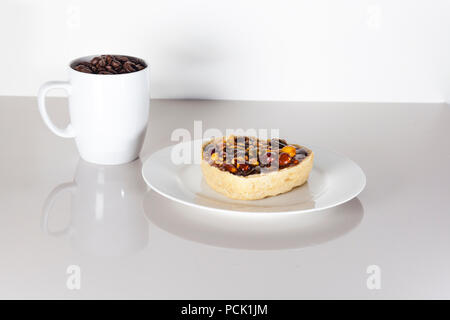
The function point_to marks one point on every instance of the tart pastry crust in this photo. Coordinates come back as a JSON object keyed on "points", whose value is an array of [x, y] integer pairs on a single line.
{"points": [[257, 186]]}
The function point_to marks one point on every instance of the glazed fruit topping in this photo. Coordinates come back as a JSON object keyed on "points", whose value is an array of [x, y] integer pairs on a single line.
{"points": [[244, 156]]}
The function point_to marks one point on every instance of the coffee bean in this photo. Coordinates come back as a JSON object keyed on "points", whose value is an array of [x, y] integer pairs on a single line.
{"points": [[134, 60], [110, 69], [129, 66], [102, 62], [111, 64], [121, 58], [95, 60], [83, 68], [116, 64]]}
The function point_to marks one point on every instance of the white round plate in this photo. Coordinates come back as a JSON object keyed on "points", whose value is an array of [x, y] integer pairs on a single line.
{"points": [[334, 179]]}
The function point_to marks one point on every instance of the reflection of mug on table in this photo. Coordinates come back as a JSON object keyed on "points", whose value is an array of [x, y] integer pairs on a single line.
{"points": [[107, 217]]}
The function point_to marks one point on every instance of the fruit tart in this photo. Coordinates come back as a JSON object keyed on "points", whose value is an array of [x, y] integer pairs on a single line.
{"points": [[248, 168]]}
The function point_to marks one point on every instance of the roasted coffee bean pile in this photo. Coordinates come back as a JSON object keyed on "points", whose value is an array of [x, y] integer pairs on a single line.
{"points": [[243, 156], [110, 64]]}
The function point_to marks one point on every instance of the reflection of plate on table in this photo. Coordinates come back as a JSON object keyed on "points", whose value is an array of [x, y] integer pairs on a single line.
{"points": [[334, 179]]}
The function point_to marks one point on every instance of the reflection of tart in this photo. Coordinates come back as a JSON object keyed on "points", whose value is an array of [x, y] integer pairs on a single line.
{"points": [[248, 168]]}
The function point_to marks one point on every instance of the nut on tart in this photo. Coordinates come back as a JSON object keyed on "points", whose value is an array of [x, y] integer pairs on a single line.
{"points": [[248, 168]]}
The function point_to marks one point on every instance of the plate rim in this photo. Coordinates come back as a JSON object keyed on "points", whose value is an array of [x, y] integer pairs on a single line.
{"points": [[259, 213]]}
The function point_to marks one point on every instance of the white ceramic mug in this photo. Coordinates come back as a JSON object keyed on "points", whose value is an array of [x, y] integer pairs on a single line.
{"points": [[108, 113]]}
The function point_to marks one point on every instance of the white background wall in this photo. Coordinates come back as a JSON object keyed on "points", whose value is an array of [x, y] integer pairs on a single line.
{"points": [[348, 50]]}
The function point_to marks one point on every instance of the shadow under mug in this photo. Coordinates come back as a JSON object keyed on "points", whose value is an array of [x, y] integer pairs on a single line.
{"points": [[108, 113], [106, 213]]}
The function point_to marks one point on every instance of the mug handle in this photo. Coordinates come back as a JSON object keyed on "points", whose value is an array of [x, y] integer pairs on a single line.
{"points": [[68, 132], [48, 204]]}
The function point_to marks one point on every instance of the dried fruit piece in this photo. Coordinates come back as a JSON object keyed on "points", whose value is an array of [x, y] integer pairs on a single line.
{"points": [[290, 150], [284, 159]]}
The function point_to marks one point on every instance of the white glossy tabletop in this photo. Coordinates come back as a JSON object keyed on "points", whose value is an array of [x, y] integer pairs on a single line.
{"points": [[129, 242]]}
